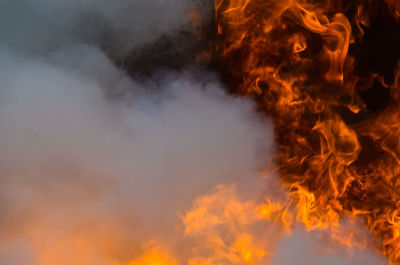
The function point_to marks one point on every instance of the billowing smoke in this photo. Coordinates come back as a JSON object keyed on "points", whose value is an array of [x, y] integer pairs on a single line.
{"points": [[96, 165]]}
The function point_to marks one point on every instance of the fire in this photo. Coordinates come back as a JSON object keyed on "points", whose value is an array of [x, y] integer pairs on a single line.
{"points": [[339, 157], [155, 256], [223, 227], [339, 152]]}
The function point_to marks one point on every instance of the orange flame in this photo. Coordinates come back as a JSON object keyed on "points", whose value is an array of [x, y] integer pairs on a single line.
{"points": [[220, 228], [294, 55], [222, 225]]}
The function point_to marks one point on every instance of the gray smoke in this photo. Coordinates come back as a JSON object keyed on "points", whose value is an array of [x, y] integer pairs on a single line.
{"points": [[73, 158]]}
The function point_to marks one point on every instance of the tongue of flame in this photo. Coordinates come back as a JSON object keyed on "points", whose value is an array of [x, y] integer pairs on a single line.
{"points": [[338, 156]]}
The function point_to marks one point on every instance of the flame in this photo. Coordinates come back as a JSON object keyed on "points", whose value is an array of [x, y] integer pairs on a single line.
{"points": [[294, 55], [154, 256], [223, 226]]}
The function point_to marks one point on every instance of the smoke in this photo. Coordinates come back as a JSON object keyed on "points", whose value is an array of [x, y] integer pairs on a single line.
{"points": [[67, 150], [119, 25], [88, 177], [81, 168], [304, 248]]}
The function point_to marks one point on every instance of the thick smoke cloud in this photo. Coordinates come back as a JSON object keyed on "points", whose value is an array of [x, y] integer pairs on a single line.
{"points": [[74, 158], [68, 150], [83, 170]]}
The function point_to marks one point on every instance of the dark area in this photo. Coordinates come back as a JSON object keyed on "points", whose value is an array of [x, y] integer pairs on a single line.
{"points": [[186, 47], [171, 52], [378, 51]]}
